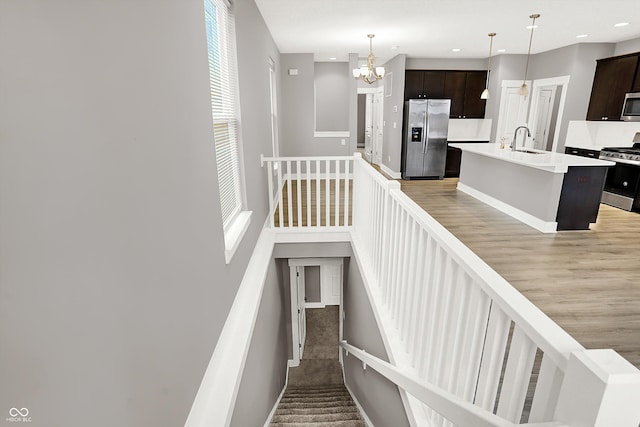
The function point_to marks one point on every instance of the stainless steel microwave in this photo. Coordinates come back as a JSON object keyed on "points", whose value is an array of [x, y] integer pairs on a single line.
{"points": [[631, 107]]}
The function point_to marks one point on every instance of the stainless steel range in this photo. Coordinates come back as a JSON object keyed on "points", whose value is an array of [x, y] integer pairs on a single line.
{"points": [[622, 185]]}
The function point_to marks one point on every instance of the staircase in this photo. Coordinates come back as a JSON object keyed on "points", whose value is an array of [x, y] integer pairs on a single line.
{"points": [[325, 405], [316, 395]]}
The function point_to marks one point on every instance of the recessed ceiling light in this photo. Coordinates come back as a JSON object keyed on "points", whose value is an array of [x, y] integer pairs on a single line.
{"points": [[621, 24], [501, 50], [333, 58], [581, 36], [395, 47], [528, 27], [455, 50]]}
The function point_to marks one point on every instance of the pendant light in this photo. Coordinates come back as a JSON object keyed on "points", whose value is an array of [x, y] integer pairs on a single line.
{"points": [[370, 73], [485, 92], [524, 90]]}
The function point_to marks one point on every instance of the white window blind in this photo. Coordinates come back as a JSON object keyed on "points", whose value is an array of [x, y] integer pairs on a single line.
{"points": [[222, 80]]}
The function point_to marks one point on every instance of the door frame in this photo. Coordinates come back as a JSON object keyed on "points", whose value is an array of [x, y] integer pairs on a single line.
{"points": [[368, 142], [295, 265], [536, 139], [562, 81]]}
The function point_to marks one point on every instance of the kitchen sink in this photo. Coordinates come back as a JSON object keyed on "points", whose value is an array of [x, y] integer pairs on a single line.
{"points": [[531, 152]]}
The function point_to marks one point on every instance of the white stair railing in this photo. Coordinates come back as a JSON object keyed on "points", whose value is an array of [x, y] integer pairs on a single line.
{"points": [[309, 192], [457, 324], [465, 337]]}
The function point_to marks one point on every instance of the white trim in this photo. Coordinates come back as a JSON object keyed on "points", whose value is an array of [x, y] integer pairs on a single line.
{"points": [[365, 90], [367, 420], [218, 391], [315, 305], [392, 174], [520, 215], [332, 134], [234, 234]]}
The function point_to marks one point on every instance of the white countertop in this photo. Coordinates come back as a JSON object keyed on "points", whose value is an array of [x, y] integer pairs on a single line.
{"points": [[546, 160]]}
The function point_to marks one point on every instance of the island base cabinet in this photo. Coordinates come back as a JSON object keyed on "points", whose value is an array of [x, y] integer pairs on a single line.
{"points": [[580, 197]]}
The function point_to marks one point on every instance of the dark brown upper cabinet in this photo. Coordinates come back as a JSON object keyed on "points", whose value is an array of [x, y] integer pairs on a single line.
{"points": [[462, 87], [424, 84], [614, 77]]}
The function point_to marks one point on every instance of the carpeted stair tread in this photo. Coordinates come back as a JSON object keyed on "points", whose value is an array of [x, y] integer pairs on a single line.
{"points": [[316, 418], [317, 398], [328, 410], [349, 423], [317, 406]]}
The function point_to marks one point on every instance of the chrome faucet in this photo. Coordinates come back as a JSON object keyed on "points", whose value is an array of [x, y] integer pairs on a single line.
{"points": [[515, 134]]}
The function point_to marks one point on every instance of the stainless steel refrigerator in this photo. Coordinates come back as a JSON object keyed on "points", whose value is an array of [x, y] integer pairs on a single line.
{"points": [[424, 144]]}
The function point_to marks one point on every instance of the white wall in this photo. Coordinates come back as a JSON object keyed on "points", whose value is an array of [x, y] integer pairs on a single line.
{"points": [[113, 286]]}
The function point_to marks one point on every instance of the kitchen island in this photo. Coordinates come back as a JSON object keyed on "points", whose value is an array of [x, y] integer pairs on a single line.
{"points": [[548, 191]]}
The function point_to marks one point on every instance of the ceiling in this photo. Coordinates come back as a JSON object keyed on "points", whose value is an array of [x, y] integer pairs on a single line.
{"points": [[432, 28]]}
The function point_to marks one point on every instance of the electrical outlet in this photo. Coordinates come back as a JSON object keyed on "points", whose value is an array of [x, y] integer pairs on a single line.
{"points": [[395, 108], [389, 159], [343, 141], [394, 125]]}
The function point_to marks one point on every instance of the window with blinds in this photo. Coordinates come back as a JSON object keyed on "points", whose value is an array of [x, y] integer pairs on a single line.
{"points": [[222, 81]]}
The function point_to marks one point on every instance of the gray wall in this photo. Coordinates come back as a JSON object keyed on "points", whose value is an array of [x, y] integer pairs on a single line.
{"points": [[628, 46], [114, 288], [379, 397], [446, 64], [298, 113], [312, 290], [393, 111], [332, 96], [266, 367], [503, 67], [579, 62]]}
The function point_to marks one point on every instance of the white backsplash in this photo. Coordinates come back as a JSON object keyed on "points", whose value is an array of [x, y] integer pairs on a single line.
{"points": [[597, 135], [469, 130]]}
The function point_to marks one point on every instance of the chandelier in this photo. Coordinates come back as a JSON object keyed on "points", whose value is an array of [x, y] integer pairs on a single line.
{"points": [[370, 73]]}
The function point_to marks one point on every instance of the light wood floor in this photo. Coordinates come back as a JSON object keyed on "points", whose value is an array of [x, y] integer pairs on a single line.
{"points": [[586, 281], [303, 206]]}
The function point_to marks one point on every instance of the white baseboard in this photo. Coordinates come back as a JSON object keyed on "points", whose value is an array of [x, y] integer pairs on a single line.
{"points": [[537, 223], [275, 407], [367, 421], [392, 174]]}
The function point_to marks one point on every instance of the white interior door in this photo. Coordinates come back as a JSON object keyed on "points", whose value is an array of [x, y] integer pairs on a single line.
{"points": [[302, 315], [513, 110], [331, 278], [378, 125], [368, 128], [543, 113]]}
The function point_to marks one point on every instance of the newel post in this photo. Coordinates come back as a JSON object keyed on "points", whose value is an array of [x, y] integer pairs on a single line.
{"points": [[600, 389]]}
